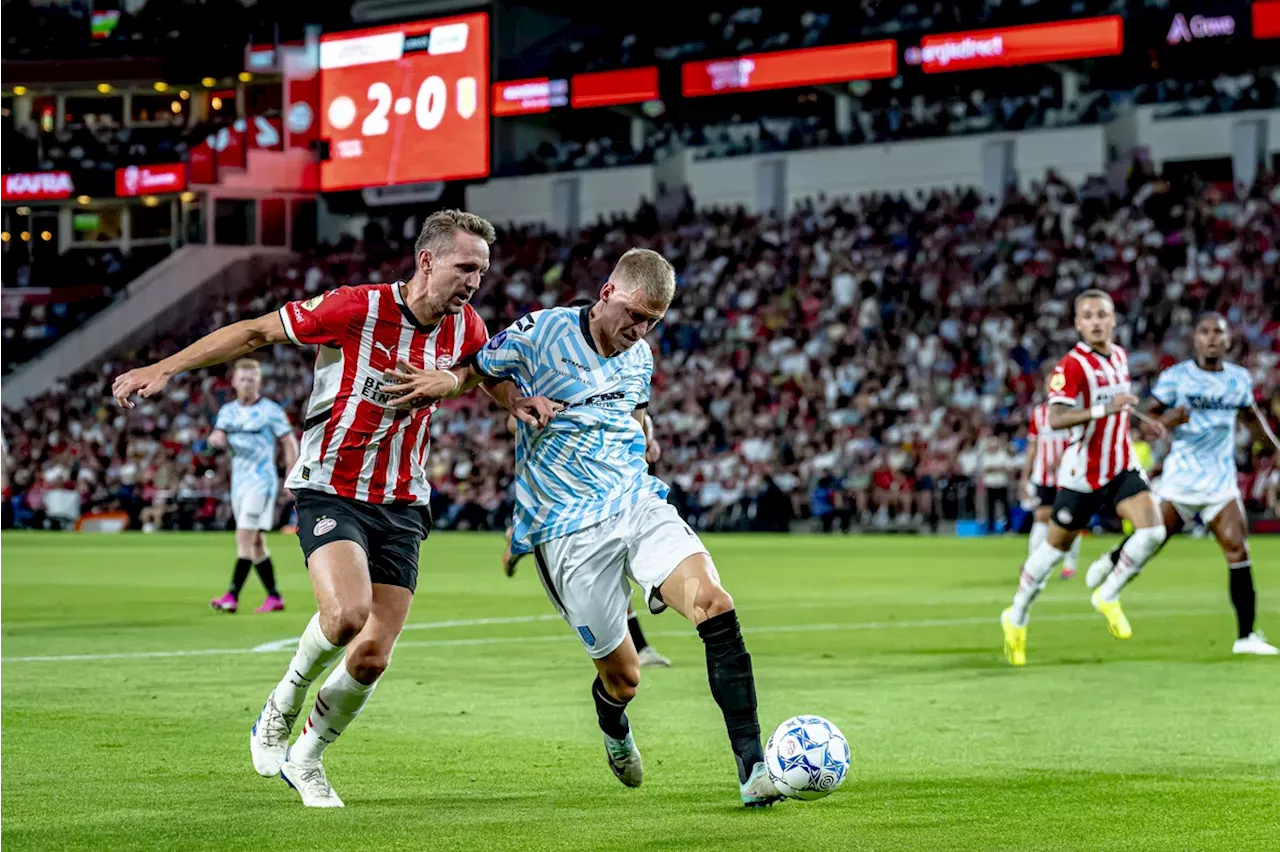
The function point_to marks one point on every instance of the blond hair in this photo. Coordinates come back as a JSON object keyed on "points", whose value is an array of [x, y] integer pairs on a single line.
{"points": [[438, 231], [1094, 293], [246, 364], [648, 272]]}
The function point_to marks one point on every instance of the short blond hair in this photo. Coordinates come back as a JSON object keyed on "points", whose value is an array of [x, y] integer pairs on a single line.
{"points": [[246, 364], [648, 272], [438, 231], [1094, 293]]}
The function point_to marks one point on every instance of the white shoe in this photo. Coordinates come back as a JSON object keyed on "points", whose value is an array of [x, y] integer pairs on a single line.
{"points": [[649, 656], [759, 790], [311, 783], [624, 759], [1098, 571], [269, 739], [1255, 643]]}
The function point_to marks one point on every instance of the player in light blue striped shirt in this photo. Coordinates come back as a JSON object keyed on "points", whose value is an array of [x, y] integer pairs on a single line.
{"points": [[250, 426], [1200, 400], [597, 521]]}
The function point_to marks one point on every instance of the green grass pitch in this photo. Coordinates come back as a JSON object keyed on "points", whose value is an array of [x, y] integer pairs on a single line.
{"points": [[131, 732]]}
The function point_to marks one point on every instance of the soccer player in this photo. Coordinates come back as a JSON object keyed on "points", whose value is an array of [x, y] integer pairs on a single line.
{"points": [[596, 519], [360, 482], [1089, 394], [1199, 400], [649, 655], [250, 427], [1045, 447]]}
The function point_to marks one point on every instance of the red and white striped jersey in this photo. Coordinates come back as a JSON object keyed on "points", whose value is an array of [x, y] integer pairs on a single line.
{"points": [[1100, 449], [1050, 445], [355, 443]]}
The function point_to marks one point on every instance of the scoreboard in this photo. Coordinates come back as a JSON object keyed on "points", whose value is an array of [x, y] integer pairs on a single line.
{"points": [[406, 103]]}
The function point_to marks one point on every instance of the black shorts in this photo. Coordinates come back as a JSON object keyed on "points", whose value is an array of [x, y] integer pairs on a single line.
{"points": [[1047, 493], [390, 535], [1073, 509]]}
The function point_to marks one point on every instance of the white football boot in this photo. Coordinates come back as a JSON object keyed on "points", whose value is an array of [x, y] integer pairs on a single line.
{"points": [[758, 790], [311, 783], [1256, 644], [624, 759], [269, 739], [649, 657]]}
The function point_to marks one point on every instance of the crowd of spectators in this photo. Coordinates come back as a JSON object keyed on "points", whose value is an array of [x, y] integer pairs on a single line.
{"points": [[861, 362]]}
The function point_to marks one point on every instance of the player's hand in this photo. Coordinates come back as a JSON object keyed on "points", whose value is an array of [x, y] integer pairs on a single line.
{"points": [[144, 381], [1175, 417], [535, 411], [1123, 402], [1152, 430], [653, 451], [412, 384], [218, 439]]}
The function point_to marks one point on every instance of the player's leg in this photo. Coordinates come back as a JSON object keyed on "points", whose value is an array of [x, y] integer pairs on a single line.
{"points": [[335, 545], [649, 655], [1039, 526], [262, 556], [1174, 516], [345, 693], [243, 509], [1134, 503], [1231, 529], [583, 576], [1037, 570]]}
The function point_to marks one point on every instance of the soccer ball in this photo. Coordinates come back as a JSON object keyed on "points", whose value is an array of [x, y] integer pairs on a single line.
{"points": [[807, 757]]}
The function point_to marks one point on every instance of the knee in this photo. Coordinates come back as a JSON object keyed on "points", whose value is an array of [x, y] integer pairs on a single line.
{"points": [[367, 660], [1148, 540], [343, 623], [717, 602], [622, 681], [1237, 553]]}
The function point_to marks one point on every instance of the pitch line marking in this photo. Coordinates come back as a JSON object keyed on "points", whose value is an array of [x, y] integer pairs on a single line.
{"points": [[288, 644]]}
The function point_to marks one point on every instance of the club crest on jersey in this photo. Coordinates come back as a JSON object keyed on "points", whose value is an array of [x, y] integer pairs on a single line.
{"points": [[444, 362], [324, 525], [1057, 382]]}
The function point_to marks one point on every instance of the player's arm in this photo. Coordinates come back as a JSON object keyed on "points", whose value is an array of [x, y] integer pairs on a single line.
{"points": [[1066, 386], [289, 447], [652, 449], [218, 439], [225, 344], [1260, 426]]}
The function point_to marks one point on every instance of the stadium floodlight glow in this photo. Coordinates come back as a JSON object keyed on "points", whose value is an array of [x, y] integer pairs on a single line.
{"points": [[46, 236], [19, 90], [184, 94], [25, 236], [188, 196], [150, 201], [104, 88], [208, 82], [175, 107], [245, 77], [4, 236], [83, 199], [160, 86], [23, 211], [216, 103]]}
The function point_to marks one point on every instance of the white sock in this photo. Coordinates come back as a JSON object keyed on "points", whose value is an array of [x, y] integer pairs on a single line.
{"points": [[338, 703], [1140, 547], [315, 654], [1035, 575], [1073, 555], [1039, 532]]}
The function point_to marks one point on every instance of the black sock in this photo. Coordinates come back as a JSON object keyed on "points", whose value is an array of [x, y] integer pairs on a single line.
{"points": [[239, 576], [733, 686], [611, 713], [637, 635], [1243, 597], [267, 573]]}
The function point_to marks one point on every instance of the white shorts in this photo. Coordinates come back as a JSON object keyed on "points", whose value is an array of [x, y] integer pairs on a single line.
{"points": [[587, 574], [254, 510], [1188, 504]]}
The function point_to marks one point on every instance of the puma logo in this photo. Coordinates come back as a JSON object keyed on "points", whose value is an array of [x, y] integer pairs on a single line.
{"points": [[386, 350]]}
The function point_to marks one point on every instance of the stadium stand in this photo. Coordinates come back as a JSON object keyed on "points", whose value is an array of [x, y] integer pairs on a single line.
{"points": [[866, 362]]}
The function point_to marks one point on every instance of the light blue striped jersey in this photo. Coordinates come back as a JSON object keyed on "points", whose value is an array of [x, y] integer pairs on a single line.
{"points": [[1202, 458], [588, 464], [252, 432]]}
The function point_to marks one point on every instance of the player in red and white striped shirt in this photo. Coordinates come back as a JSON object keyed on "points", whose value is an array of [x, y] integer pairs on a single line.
{"points": [[360, 481], [1045, 446], [1089, 393]]}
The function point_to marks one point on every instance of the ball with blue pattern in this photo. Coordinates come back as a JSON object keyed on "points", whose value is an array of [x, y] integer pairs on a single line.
{"points": [[807, 757]]}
